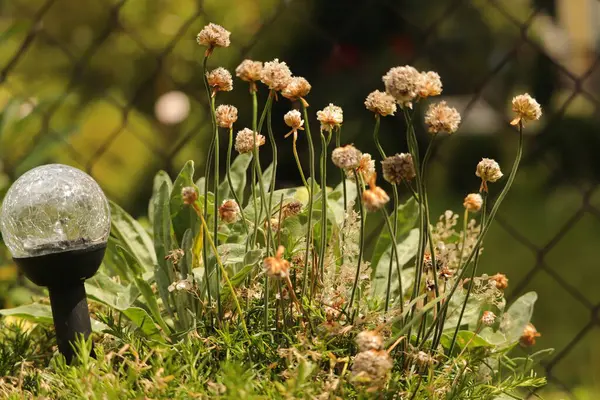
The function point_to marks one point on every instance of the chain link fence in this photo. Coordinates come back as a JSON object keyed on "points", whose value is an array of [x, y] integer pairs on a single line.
{"points": [[85, 80]]}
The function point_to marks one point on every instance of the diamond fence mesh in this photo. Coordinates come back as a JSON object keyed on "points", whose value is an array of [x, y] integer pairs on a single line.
{"points": [[85, 81]]}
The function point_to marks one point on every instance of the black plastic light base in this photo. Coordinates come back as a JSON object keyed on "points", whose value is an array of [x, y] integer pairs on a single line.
{"points": [[64, 274]]}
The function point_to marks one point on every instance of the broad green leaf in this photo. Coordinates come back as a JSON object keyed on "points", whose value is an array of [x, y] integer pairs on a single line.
{"points": [[132, 237], [525, 364], [406, 251], [471, 315], [142, 320], [267, 174], [42, 314], [103, 289], [160, 178], [183, 216], [163, 244], [465, 339], [518, 316], [351, 192], [238, 171]]}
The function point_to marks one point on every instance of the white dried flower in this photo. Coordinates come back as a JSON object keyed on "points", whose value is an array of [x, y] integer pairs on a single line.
{"points": [[183, 284], [369, 340], [213, 35], [346, 157], [372, 367], [375, 198], [381, 103], [398, 168], [488, 318], [403, 84], [276, 75], [366, 168], [423, 359], [229, 211], [473, 202], [330, 117], [489, 171], [226, 115], [430, 84], [244, 141], [249, 70], [297, 88], [294, 120], [219, 79], [189, 194], [526, 108], [441, 118]]}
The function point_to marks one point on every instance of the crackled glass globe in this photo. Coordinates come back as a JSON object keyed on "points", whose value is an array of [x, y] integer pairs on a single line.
{"points": [[54, 208]]}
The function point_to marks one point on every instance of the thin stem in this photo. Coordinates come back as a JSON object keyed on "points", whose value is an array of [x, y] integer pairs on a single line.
{"points": [[216, 204], [295, 151], [255, 167], [473, 272], [490, 219], [323, 247], [273, 174], [232, 189], [221, 267], [311, 191], [392, 233], [359, 189], [338, 143]]}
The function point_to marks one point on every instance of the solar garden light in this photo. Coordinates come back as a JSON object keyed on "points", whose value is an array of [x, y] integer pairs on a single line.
{"points": [[55, 221]]}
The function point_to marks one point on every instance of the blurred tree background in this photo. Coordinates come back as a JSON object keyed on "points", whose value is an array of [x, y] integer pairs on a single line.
{"points": [[114, 87]]}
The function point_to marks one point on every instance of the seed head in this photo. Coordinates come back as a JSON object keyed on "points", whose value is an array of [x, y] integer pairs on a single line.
{"points": [[244, 141], [398, 168], [441, 118], [226, 115], [294, 120], [369, 340], [219, 79], [213, 35], [372, 367], [249, 71], [277, 267], [366, 168], [430, 84], [346, 157], [488, 318], [297, 88], [381, 103], [403, 84], [375, 197], [276, 75], [526, 108], [473, 202], [529, 335], [489, 171], [330, 117], [189, 195], [500, 280], [229, 211]]}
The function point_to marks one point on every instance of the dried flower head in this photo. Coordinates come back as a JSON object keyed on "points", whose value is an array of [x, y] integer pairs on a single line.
{"points": [[446, 273], [488, 318], [529, 335], [366, 168], [346, 157], [189, 194], [229, 211], [430, 84], [473, 202], [381, 103], [213, 35], [277, 267], [372, 367], [441, 118], [369, 340], [330, 117], [276, 75], [292, 208], [297, 88], [244, 141], [294, 120], [249, 70], [183, 284], [526, 108], [226, 115], [489, 171], [403, 84], [375, 197], [219, 79], [398, 168], [500, 281], [423, 359], [175, 256]]}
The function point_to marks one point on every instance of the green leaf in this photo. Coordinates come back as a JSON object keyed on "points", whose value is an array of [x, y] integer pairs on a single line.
{"points": [[183, 216], [464, 339], [142, 320], [160, 178], [163, 244], [406, 251], [238, 171], [518, 316], [42, 314], [103, 289], [266, 176], [470, 316], [132, 237]]}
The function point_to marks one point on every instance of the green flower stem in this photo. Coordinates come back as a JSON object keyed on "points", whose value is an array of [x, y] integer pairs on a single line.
{"points": [[311, 192], [338, 143], [298, 163], [394, 231], [254, 166], [490, 220], [216, 205], [273, 175], [323, 246], [235, 196], [222, 268], [473, 272], [359, 189]]}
